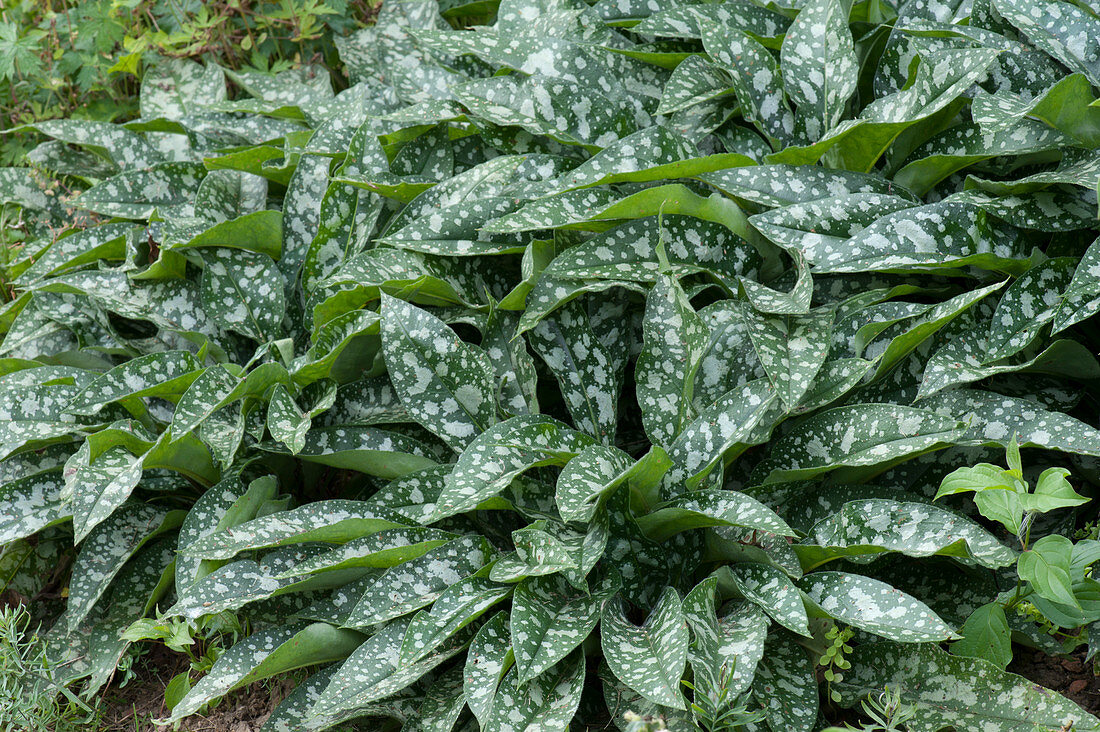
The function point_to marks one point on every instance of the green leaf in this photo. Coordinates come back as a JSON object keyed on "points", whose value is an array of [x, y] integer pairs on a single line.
{"points": [[32, 503], [649, 659], [372, 672], [418, 582], [243, 291], [583, 369], [773, 591], [489, 658], [755, 76], [547, 701], [1052, 491], [945, 690], [458, 606], [1026, 306], [731, 420], [382, 550], [554, 618], [857, 435], [782, 185], [168, 188], [286, 422], [495, 457], [875, 607], [862, 529], [107, 547], [725, 651], [365, 449], [1063, 30], [792, 349], [1046, 565], [820, 68], [597, 471], [156, 374], [711, 508], [444, 384], [265, 654], [785, 685], [674, 342], [986, 634], [334, 520]]}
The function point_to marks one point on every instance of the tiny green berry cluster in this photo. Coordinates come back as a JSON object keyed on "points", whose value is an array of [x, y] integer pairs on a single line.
{"points": [[833, 658]]}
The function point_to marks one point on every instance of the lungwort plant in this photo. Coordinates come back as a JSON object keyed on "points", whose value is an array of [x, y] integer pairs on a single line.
{"points": [[579, 365]]}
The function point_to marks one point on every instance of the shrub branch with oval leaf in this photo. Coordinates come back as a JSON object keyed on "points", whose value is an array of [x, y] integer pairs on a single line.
{"points": [[580, 365]]}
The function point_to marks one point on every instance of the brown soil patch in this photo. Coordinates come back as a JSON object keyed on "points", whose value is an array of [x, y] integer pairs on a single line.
{"points": [[1071, 676], [132, 708]]}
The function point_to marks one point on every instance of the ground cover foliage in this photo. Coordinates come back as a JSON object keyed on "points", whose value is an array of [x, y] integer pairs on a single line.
{"points": [[699, 366]]}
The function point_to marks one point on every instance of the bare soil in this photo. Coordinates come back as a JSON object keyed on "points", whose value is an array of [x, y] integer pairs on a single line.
{"points": [[1070, 676], [133, 707]]}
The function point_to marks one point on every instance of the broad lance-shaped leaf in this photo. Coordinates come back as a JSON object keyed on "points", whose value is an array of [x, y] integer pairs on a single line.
{"points": [[966, 693], [820, 228], [655, 153], [597, 471], [819, 63], [941, 78], [226, 503], [168, 188], [1081, 298], [778, 184], [335, 520], [98, 487], [1027, 305], [674, 341], [547, 547], [791, 349], [155, 374], [700, 508], [285, 420], [31, 503], [583, 369], [903, 238], [857, 435], [731, 420], [107, 547], [566, 112], [385, 549], [459, 605], [773, 592], [441, 705], [243, 291], [245, 581], [725, 651], [502, 452], [995, 419], [649, 659], [265, 654], [786, 686], [551, 618], [547, 701], [373, 672], [445, 384], [874, 606], [862, 529], [419, 582], [369, 450], [693, 81], [756, 79], [489, 658], [960, 362], [629, 251], [1066, 32]]}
